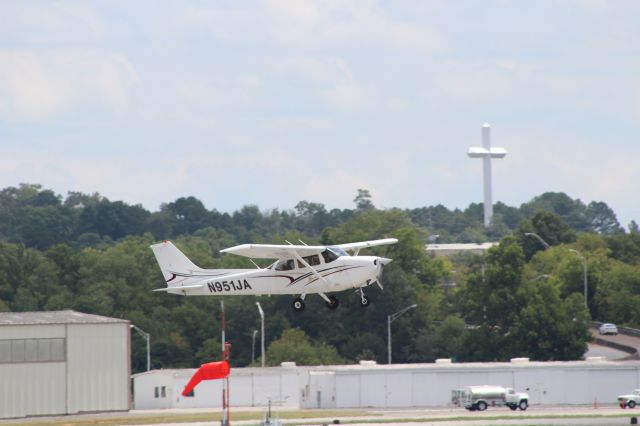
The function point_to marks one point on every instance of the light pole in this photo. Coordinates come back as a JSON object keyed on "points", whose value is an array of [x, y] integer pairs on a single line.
{"points": [[147, 337], [390, 319], [543, 242], [261, 332], [584, 270], [253, 346]]}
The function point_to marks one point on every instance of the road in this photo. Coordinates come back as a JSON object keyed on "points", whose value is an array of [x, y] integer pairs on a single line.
{"points": [[619, 339]]}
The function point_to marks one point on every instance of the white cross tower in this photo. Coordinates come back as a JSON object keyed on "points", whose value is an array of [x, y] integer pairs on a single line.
{"points": [[487, 153]]}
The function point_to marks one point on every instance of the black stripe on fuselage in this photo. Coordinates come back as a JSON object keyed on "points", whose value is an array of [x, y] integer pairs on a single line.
{"points": [[183, 275]]}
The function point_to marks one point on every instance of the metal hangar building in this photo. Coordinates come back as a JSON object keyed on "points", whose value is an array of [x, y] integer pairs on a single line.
{"points": [[63, 362]]}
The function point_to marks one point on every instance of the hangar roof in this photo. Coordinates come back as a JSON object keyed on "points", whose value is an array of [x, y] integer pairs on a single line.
{"points": [[54, 317]]}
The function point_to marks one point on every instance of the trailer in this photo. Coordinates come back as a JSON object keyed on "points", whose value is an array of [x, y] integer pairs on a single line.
{"points": [[479, 398]]}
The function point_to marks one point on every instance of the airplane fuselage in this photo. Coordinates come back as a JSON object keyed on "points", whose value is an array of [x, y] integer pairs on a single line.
{"points": [[299, 270], [343, 273]]}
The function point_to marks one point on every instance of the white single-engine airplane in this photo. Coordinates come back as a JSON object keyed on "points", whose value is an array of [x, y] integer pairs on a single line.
{"points": [[298, 270]]}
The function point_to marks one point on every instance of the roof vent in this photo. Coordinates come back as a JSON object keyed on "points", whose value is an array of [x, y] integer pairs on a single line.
{"points": [[367, 362], [443, 361], [288, 364], [595, 358], [519, 360]]}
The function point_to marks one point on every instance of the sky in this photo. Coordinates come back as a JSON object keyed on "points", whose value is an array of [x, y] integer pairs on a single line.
{"points": [[274, 102]]}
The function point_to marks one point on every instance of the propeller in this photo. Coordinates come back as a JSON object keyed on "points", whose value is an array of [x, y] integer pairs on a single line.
{"points": [[381, 262]]}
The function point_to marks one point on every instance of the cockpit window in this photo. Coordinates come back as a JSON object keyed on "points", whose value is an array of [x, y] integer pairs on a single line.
{"points": [[332, 253], [338, 251], [284, 265]]}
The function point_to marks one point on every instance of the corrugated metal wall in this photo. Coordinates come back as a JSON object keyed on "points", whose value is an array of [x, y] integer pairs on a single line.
{"points": [[98, 374], [34, 388], [94, 375]]}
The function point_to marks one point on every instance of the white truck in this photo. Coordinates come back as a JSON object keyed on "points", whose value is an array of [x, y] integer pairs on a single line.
{"points": [[478, 398], [629, 400]]}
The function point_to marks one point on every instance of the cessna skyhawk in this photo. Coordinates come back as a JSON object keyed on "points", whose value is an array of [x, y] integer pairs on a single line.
{"points": [[298, 270]]}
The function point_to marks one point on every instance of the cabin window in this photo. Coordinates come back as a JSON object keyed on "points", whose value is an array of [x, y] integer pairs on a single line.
{"points": [[284, 265], [156, 392], [311, 260]]}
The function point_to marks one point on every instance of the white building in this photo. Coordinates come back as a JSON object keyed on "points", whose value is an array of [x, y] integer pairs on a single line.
{"points": [[457, 248], [394, 386], [63, 362], [249, 387]]}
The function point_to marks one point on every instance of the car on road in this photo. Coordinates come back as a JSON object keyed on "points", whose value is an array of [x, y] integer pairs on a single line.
{"points": [[629, 400], [608, 328]]}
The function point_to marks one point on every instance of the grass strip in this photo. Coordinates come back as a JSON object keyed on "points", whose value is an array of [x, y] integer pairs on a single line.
{"points": [[143, 419], [323, 416]]}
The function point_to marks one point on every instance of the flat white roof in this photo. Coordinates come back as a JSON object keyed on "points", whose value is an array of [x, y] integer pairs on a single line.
{"points": [[461, 246], [455, 366], [55, 317]]}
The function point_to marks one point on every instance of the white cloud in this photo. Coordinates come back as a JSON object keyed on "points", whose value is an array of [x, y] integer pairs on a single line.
{"points": [[42, 84], [46, 22], [314, 23]]}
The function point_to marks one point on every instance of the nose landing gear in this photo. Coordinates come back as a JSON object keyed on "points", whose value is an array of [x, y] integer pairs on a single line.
{"points": [[364, 300]]}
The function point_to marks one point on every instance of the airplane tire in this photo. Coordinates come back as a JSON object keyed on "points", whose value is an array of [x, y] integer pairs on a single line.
{"points": [[298, 304], [333, 304], [364, 301]]}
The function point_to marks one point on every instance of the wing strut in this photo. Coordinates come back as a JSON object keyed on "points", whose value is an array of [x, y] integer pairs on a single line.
{"points": [[313, 271]]}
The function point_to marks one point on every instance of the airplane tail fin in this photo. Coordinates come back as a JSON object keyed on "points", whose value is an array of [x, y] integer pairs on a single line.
{"points": [[176, 268]]}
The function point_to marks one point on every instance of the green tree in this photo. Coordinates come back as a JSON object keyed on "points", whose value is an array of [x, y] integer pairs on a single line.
{"points": [[548, 328], [363, 200], [294, 345], [548, 226], [602, 218]]}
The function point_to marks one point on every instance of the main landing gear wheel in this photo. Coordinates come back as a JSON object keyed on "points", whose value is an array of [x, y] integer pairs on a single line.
{"points": [[298, 304], [332, 303], [364, 301]]}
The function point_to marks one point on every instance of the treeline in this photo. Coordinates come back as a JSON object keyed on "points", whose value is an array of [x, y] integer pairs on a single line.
{"points": [[92, 255], [40, 218]]}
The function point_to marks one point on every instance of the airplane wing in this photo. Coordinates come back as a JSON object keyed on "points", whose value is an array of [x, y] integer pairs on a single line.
{"points": [[364, 244], [273, 251]]}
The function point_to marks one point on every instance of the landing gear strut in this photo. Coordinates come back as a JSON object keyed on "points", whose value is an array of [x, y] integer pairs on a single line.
{"points": [[332, 303], [364, 300]]}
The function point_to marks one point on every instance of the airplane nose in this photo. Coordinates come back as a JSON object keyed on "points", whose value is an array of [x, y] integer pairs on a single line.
{"points": [[384, 260]]}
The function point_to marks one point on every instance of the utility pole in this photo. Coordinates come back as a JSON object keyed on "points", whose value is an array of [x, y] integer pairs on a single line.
{"points": [[261, 332], [584, 271], [390, 319], [146, 337]]}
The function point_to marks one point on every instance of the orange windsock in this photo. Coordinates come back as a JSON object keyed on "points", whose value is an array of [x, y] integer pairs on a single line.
{"points": [[209, 371]]}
